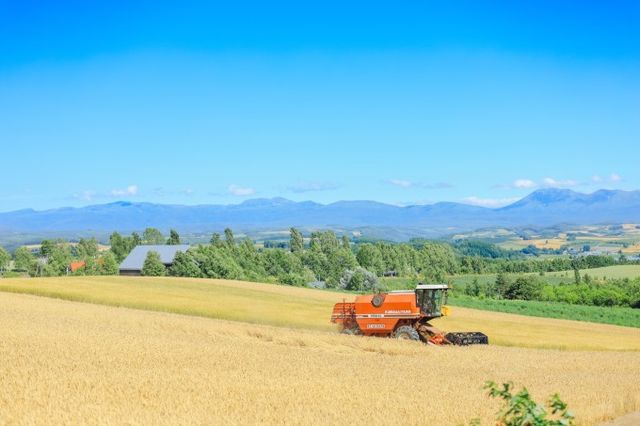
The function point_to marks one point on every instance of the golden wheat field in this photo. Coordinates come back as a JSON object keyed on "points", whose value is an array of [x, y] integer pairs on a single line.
{"points": [[68, 362], [310, 309], [279, 359]]}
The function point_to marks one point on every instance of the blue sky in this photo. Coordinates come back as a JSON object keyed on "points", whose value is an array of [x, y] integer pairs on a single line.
{"points": [[197, 103]]}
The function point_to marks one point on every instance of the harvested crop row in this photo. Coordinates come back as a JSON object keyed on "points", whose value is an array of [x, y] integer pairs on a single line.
{"points": [[80, 363]]}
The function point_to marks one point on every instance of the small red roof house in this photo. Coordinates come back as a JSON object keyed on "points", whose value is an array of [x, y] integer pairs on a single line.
{"points": [[74, 266]]}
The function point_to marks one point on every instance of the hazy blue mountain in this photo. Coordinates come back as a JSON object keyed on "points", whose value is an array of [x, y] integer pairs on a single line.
{"points": [[554, 206], [544, 207]]}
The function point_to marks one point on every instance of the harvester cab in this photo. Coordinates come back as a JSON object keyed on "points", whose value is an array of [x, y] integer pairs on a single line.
{"points": [[432, 299], [403, 314]]}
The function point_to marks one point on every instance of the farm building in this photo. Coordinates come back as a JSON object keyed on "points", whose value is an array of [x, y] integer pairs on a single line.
{"points": [[133, 263], [75, 266]]}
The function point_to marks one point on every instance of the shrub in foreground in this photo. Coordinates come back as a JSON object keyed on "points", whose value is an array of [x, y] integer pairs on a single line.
{"points": [[521, 410]]}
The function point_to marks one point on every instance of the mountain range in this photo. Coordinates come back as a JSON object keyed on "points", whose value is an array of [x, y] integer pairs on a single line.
{"points": [[544, 207]]}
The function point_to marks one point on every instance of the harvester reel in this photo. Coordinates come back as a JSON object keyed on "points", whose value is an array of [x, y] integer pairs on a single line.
{"points": [[406, 332]]}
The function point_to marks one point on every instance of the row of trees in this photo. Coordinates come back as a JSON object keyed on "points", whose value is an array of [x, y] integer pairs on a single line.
{"points": [[55, 256], [122, 246], [621, 292], [325, 259]]}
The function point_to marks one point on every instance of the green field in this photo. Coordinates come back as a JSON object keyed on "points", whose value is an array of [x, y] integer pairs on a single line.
{"points": [[609, 272], [607, 315], [462, 280]]}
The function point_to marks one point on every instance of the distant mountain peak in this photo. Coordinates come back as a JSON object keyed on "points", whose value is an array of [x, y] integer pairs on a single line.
{"points": [[120, 204]]}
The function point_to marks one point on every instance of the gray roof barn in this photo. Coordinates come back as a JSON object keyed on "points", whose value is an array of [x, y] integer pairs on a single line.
{"points": [[133, 263]]}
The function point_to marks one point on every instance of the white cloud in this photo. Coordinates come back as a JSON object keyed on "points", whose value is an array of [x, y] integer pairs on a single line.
{"points": [[128, 191], [239, 191], [523, 184], [87, 195], [401, 183], [553, 183], [489, 202], [312, 186], [596, 178], [615, 177]]}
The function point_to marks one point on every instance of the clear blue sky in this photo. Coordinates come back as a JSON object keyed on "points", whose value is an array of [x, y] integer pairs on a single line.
{"points": [[193, 103]]}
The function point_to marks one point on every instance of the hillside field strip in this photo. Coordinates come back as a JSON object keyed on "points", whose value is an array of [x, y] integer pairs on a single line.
{"points": [[68, 362], [609, 272], [302, 308]]}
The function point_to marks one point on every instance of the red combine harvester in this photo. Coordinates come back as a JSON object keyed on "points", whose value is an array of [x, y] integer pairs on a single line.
{"points": [[402, 315]]}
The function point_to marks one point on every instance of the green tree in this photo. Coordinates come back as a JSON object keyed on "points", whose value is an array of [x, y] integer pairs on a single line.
{"points": [[229, 238], [216, 262], [524, 288], [438, 260], [359, 280], [5, 258], [108, 264], [370, 257], [152, 236], [46, 247], [215, 239], [472, 289], [135, 241], [346, 244], [153, 266], [87, 248], [58, 259], [184, 265], [249, 259], [296, 241], [24, 259], [329, 242], [119, 246], [174, 238], [502, 285]]}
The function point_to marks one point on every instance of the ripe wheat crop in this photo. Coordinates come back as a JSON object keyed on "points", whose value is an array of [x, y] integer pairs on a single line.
{"points": [[301, 308], [66, 362]]}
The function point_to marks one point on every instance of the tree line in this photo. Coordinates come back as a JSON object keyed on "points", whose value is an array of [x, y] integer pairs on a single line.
{"points": [[585, 290], [322, 259]]}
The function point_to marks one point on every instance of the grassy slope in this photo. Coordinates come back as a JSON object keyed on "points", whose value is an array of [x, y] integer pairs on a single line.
{"points": [[618, 271], [66, 363], [627, 317], [309, 309]]}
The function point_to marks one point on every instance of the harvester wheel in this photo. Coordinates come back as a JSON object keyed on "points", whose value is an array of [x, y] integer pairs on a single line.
{"points": [[348, 331], [406, 332]]}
